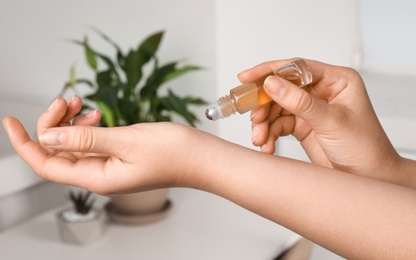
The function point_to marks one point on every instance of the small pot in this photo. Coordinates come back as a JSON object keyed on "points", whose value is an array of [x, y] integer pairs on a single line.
{"points": [[80, 230], [140, 207]]}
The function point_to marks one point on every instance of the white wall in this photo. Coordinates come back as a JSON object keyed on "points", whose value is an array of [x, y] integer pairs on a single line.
{"points": [[389, 36]]}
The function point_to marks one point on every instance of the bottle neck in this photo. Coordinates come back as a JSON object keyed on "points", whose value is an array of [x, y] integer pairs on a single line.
{"points": [[227, 106]]}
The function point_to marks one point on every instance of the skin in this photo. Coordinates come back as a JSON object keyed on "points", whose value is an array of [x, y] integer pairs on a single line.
{"points": [[352, 215]]}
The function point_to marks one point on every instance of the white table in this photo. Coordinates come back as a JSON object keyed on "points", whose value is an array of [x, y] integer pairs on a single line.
{"points": [[199, 226]]}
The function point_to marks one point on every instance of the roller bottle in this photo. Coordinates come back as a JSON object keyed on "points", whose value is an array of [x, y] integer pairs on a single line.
{"points": [[251, 95]]}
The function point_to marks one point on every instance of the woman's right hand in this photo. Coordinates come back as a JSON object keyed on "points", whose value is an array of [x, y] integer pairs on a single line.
{"points": [[332, 118]]}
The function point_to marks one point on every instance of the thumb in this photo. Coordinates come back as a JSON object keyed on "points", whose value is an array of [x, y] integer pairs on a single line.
{"points": [[88, 139], [296, 100]]}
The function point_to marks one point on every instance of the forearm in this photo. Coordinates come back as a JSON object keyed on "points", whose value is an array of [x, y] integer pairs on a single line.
{"points": [[353, 216], [405, 174]]}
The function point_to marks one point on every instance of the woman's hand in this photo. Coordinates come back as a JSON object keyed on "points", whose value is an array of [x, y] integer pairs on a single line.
{"points": [[332, 118], [103, 160]]}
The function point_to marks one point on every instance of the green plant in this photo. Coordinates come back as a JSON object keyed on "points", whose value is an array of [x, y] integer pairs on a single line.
{"points": [[125, 93], [80, 201]]}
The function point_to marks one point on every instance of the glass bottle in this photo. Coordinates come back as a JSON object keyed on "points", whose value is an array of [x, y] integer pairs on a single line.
{"points": [[251, 95]]}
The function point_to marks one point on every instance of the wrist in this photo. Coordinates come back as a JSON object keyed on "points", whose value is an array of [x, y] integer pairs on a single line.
{"points": [[404, 173], [200, 161]]}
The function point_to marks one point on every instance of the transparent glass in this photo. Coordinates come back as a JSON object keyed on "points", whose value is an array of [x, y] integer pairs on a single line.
{"points": [[251, 95]]}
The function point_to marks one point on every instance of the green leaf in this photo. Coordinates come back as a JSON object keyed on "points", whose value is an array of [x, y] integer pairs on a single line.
{"points": [[108, 62], [93, 97], [72, 77], [130, 110], [120, 57], [179, 72], [105, 78], [132, 64], [90, 55], [162, 75], [195, 101], [107, 100], [163, 118], [156, 79], [150, 45], [106, 38], [110, 65], [84, 81], [178, 105], [133, 68], [107, 113]]}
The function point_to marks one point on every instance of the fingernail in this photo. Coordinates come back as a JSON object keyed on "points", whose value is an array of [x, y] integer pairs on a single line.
{"points": [[253, 114], [71, 100], [52, 138], [52, 105], [91, 113], [255, 134], [276, 86], [241, 73]]}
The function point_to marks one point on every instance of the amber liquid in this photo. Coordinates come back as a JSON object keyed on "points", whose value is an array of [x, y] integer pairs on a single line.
{"points": [[251, 95]]}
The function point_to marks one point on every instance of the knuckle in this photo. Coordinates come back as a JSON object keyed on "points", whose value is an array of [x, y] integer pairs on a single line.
{"points": [[350, 75], [302, 104], [84, 139], [353, 72]]}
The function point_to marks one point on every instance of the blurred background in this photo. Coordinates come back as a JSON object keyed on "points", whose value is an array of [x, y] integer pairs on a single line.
{"points": [[224, 37]]}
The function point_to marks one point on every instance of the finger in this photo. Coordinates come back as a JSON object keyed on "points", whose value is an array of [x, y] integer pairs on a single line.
{"points": [[269, 111], [31, 152], [296, 100], [260, 133], [283, 126], [260, 70], [87, 139], [74, 105], [89, 119], [53, 115], [62, 169], [260, 113], [275, 111], [261, 119], [317, 68]]}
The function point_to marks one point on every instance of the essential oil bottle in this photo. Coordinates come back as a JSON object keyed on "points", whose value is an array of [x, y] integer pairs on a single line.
{"points": [[251, 95]]}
